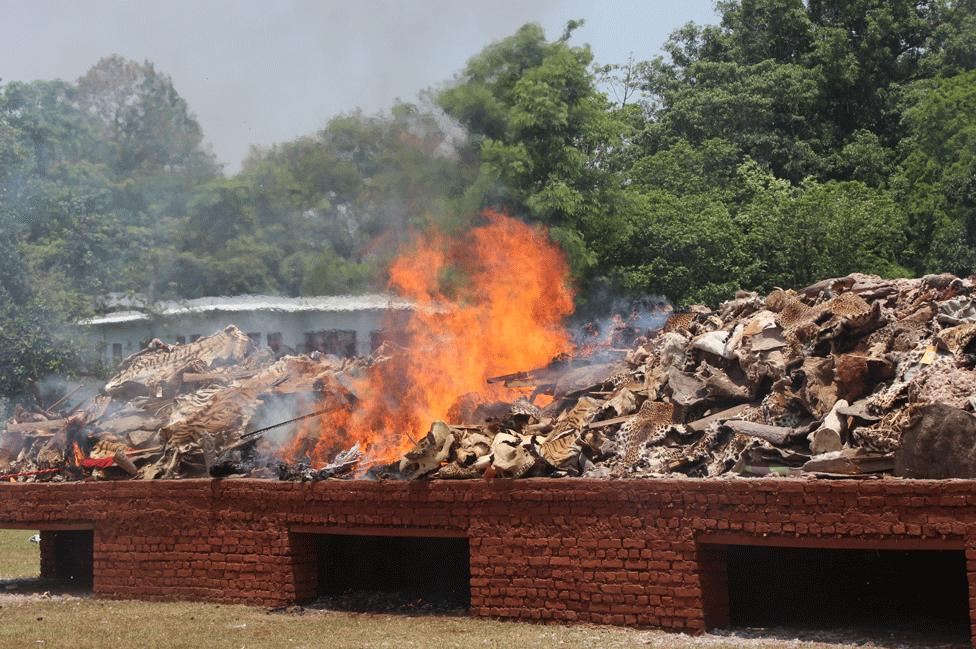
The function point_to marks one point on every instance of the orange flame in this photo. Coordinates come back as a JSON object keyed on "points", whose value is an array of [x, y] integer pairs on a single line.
{"points": [[490, 302], [78, 454]]}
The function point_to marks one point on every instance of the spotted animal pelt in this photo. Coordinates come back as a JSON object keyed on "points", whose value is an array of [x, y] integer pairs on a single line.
{"points": [[651, 421], [802, 323]]}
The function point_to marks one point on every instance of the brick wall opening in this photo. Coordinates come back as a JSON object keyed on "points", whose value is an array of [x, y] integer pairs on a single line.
{"points": [[901, 593], [360, 570], [67, 557]]}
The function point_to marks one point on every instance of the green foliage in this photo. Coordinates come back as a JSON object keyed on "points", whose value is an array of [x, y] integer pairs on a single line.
{"points": [[683, 168], [33, 339], [544, 133], [334, 206], [792, 141], [142, 120], [33, 343], [688, 248], [763, 109], [937, 178], [797, 235]]}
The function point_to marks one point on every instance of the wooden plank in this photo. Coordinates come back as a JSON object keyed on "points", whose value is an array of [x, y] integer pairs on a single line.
{"points": [[28, 426], [196, 377], [514, 376], [527, 383], [849, 464], [700, 425], [608, 422], [773, 434]]}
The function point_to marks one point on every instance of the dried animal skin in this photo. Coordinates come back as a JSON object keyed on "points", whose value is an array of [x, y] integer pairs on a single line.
{"points": [[653, 418], [958, 340], [562, 446], [430, 452], [720, 385], [623, 402], [943, 382], [799, 320], [679, 322], [522, 407], [819, 391], [939, 441], [223, 417], [512, 455], [158, 366]]}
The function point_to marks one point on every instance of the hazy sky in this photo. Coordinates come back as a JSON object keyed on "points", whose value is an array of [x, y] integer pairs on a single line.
{"points": [[265, 72]]}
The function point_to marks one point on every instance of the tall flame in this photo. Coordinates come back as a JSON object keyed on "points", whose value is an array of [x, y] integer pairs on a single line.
{"points": [[489, 302]]}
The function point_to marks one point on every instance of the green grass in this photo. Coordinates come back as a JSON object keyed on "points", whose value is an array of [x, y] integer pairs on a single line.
{"points": [[18, 557], [80, 624], [83, 623]]}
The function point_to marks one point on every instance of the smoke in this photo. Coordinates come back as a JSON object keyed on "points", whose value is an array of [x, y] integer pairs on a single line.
{"points": [[606, 314], [78, 390], [274, 410], [258, 73]]}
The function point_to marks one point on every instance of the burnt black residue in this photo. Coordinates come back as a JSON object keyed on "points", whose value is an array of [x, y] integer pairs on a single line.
{"points": [[897, 592], [388, 573]]}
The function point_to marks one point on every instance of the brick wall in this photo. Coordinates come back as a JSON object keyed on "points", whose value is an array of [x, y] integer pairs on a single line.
{"points": [[636, 552], [48, 555]]}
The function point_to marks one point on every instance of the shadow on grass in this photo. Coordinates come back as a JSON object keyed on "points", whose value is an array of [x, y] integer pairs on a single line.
{"points": [[41, 585], [903, 636], [397, 603]]}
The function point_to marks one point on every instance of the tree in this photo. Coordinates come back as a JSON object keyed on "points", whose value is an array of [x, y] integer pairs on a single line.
{"points": [[334, 205], [545, 135], [687, 248], [937, 178], [794, 84], [34, 341], [797, 235], [141, 115]]}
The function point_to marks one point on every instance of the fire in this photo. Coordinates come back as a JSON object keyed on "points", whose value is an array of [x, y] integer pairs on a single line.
{"points": [[489, 302], [79, 455]]}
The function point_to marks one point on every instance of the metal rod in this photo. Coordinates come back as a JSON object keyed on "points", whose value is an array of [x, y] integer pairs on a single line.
{"points": [[64, 398], [317, 413]]}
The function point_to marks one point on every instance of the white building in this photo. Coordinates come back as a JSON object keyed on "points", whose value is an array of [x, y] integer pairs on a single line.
{"points": [[344, 325]]}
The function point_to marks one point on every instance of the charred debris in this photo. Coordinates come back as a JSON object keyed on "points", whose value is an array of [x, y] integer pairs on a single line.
{"points": [[855, 377]]}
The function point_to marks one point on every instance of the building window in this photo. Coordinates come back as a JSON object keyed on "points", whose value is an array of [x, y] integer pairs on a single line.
{"points": [[116, 351], [376, 339], [340, 342], [274, 340], [255, 338]]}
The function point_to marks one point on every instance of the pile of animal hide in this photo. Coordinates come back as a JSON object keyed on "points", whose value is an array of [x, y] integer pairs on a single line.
{"points": [[173, 411], [850, 377]]}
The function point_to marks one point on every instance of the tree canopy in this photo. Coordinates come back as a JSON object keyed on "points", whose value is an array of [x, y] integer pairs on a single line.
{"points": [[791, 141]]}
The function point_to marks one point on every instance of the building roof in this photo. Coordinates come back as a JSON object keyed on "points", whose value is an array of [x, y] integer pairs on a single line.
{"points": [[247, 303]]}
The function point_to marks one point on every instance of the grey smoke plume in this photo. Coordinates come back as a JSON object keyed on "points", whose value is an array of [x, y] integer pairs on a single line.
{"points": [[259, 73]]}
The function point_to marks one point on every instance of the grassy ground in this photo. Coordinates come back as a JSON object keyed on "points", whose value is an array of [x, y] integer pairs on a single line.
{"points": [[80, 624], [72, 623], [18, 557], [32, 619]]}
